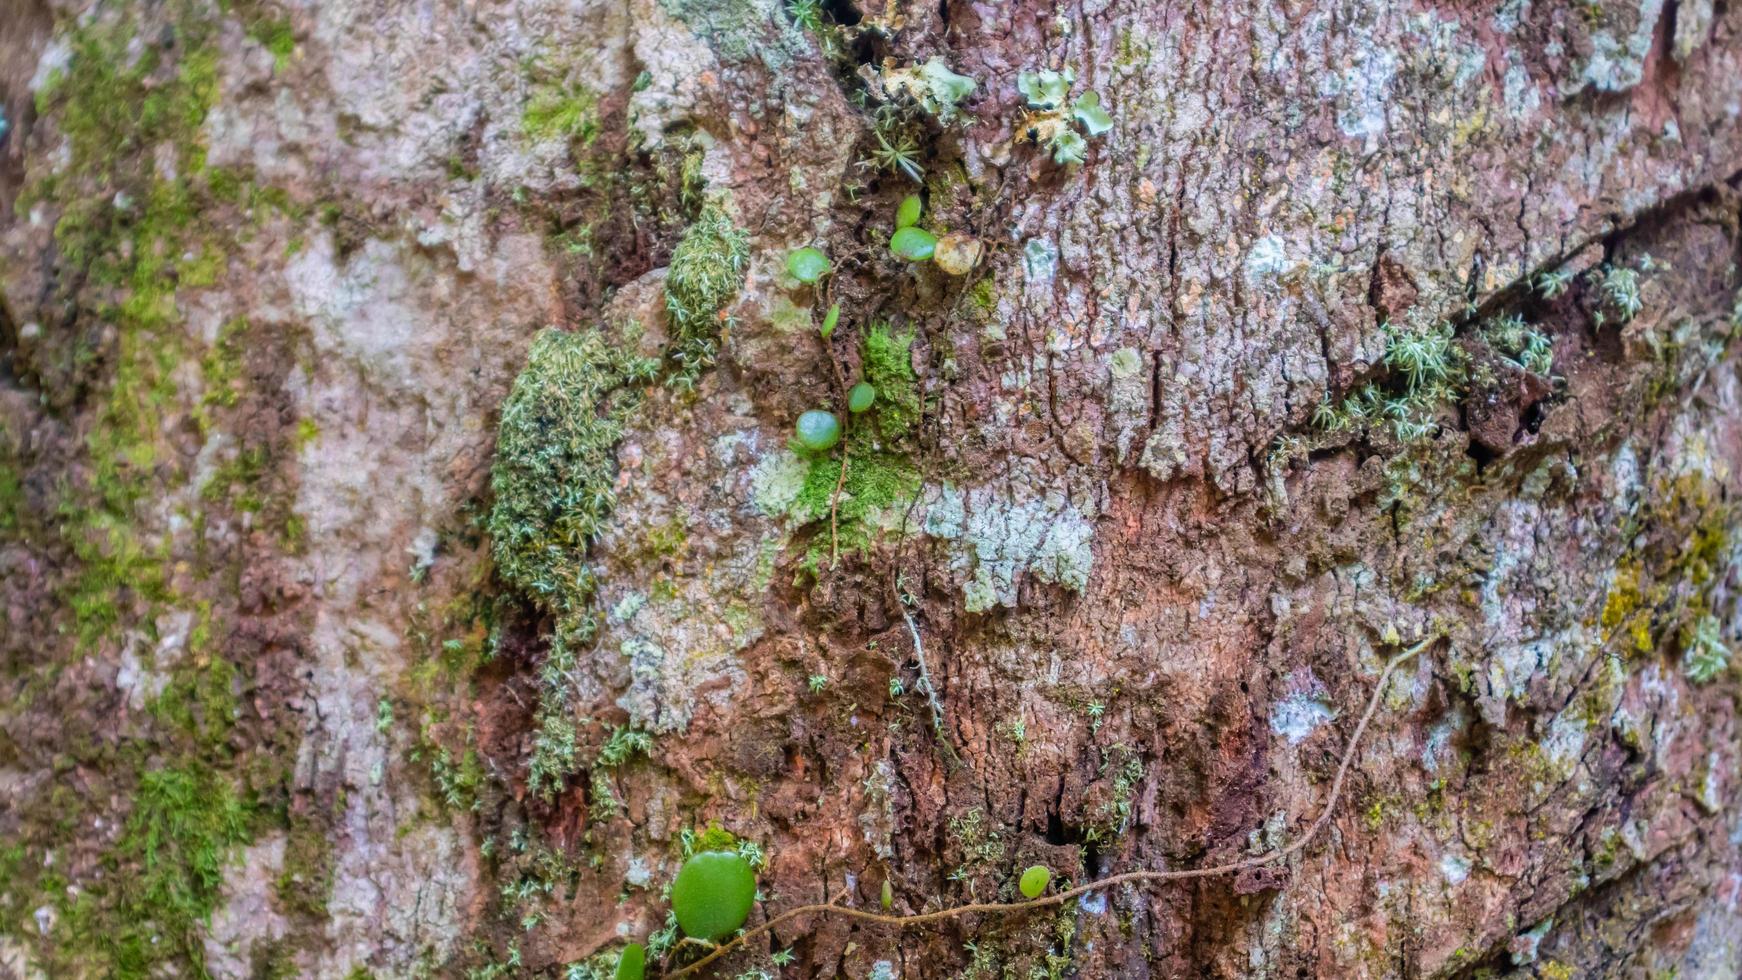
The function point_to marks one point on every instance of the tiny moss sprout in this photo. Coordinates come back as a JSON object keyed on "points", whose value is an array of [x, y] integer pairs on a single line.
{"points": [[829, 320], [861, 397], [632, 962], [818, 430], [816, 683], [712, 894], [907, 215], [1034, 881], [913, 244], [807, 264]]}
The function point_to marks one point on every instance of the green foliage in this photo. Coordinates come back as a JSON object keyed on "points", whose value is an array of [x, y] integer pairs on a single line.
{"points": [[818, 431], [553, 476], [829, 320], [860, 398], [895, 152], [632, 962], [1618, 289], [908, 213], [888, 363], [913, 244], [624, 745], [567, 111], [713, 894], [1521, 344], [706, 272], [1034, 881], [184, 826], [1429, 371], [807, 265]]}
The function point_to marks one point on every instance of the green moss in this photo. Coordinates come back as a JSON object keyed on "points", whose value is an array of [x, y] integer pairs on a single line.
{"points": [[888, 358], [878, 485], [168, 868], [553, 477], [706, 272], [568, 111], [306, 881]]}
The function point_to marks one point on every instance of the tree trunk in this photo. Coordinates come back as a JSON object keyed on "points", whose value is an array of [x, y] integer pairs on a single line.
{"points": [[408, 555]]}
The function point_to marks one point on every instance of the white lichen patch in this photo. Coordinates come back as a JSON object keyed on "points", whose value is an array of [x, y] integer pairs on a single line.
{"points": [[1003, 538], [776, 480], [1299, 715]]}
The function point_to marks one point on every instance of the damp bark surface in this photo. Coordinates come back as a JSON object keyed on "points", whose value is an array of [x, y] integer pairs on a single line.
{"points": [[407, 558]]}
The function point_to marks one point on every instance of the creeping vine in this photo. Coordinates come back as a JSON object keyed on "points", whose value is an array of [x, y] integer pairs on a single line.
{"points": [[832, 907]]}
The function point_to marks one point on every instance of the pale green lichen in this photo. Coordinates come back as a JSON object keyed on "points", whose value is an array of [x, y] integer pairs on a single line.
{"points": [[1001, 538]]}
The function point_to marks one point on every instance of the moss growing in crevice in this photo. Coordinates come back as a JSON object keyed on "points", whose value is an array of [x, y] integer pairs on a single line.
{"points": [[888, 361], [555, 467], [706, 272]]}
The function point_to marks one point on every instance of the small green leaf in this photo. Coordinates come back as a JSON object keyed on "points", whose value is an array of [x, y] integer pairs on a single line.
{"points": [[861, 397], [907, 215], [1034, 881], [913, 244], [1045, 89], [818, 431], [713, 892], [807, 264], [1068, 147], [632, 962], [888, 895], [829, 320], [1090, 115]]}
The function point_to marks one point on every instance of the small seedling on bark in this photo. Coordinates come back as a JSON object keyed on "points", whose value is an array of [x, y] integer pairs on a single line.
{"points": [[1034, 881], [807, 264], [818, 431], [632, 962], [861, 397], [713, 894], [913, 244], [907, 215], [829, 320]]}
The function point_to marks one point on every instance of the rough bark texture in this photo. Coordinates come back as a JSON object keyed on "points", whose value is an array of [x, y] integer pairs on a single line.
{"points": [[1364, 324]]}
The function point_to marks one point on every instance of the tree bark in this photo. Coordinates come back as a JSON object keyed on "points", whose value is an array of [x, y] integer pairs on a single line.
{"points": [[407, 555]]}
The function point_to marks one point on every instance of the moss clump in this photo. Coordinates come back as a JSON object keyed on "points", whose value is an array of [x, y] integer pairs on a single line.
{"points": [[556, 456], [888, 360], [169, 864], [706, 272], [877, 484], [570, 112]]}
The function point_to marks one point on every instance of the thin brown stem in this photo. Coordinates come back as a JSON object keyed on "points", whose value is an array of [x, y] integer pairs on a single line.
{"points": [[1129, 877]]}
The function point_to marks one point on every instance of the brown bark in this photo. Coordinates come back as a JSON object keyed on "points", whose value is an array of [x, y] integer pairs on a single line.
{"points": [[1363, 326]]}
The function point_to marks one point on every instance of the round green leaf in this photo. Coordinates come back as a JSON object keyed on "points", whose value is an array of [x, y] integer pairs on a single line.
{"points": [[861, 397], [913, 244], [818, 431], [713, 894], [807, 264], [1034, 881], [907, 215], [632, 962], [833, 317]]}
